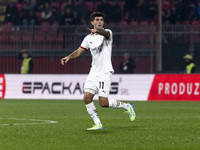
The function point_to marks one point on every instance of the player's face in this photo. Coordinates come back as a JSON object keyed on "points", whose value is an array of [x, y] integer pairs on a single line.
{"points": [[98, 22]]}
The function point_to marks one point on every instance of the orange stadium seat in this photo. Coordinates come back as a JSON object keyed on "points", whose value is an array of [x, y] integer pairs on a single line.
{"points": [[143, 26], [26, 36], [15, 37], [123, 22], [54, 27], [8, 26], [4, 38], [38, 39], [186, 22], [196, 22], [133, 22], [45, 26], [52, 37]]}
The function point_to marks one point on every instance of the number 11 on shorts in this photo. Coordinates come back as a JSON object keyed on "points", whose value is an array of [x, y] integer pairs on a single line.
{"points": [[101, 85]]}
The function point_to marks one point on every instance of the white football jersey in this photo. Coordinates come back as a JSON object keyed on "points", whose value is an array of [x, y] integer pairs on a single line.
{"points": [[101, 49]]}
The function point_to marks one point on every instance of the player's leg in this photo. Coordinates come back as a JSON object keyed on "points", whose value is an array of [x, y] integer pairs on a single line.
{"points": [[103, 85], [91, 109], [89, 92], [104, 89], [127, 106], [112, 103], [105, 102]]}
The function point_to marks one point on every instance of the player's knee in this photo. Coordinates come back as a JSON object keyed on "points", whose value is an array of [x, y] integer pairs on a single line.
{"points": [[87, 98]]}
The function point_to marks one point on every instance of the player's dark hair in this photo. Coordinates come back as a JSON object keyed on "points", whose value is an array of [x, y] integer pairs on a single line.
{"points": [[96, 14]]}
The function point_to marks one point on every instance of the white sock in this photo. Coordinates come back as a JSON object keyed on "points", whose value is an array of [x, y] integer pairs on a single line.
{"points": [[117, 104], [93, 113]]}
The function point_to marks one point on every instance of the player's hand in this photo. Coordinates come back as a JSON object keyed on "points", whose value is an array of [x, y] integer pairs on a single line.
{"points": [[64, 60], [92, 30]]}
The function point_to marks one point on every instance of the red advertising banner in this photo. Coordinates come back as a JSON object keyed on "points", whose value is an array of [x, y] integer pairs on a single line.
{"points": [[2, 86], [175, 87]]}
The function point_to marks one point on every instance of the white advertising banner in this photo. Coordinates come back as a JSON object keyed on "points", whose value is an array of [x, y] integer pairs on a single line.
{"points": [[44, 86], [123, 87]]}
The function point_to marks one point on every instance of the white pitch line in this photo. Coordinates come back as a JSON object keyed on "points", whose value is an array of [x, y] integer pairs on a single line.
{"points": [[34, 121]]}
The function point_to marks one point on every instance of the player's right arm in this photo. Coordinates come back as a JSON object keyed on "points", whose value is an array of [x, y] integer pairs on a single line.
{"points": [[73, 55]]}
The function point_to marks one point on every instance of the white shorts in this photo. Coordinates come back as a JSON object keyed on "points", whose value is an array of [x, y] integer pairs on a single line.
{"points": [[99, 84]]}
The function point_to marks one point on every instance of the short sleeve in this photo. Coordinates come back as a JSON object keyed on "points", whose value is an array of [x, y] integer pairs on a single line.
{"points": [[84, 43]]}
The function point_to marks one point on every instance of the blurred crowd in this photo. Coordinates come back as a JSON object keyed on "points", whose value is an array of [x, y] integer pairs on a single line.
{"points": [[77, 12]]}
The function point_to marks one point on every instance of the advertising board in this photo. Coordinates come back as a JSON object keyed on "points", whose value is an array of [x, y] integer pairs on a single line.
{"points": [[134, 87]]}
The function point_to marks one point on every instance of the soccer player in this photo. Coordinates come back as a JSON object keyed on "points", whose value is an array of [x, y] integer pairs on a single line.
{"points": [[99, 42]]}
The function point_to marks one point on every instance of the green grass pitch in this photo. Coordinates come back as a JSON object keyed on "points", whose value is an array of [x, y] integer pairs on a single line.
{"points": [[158, 125]]}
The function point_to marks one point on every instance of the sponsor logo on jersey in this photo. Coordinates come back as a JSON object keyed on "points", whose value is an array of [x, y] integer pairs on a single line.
{"points": [[97, 49]]}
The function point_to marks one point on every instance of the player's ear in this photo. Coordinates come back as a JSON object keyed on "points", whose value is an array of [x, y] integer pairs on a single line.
{"points": [[92, 22]]}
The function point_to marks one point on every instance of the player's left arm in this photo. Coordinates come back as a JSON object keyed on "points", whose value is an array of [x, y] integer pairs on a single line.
{"points": [[101, 31]]}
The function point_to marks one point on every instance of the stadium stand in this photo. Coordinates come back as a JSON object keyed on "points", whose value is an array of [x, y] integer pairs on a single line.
{"points": [[141, 8], [134, 31]]}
